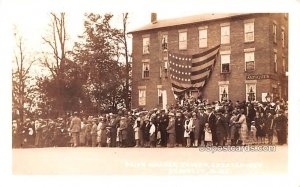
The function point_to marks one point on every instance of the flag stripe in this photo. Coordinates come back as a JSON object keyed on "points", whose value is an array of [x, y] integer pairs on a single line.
{"points": [[206, 52], [180, 86], [203, 61], [195, 73], [199, 85], [199, 80], [200, 76], [203, 66]]}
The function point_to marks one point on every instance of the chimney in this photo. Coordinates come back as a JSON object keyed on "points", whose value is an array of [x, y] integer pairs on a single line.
{"points": [[153, 18]]}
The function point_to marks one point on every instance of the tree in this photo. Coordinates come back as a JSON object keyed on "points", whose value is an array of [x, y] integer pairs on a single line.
{"points": [[128, 69], [98, 54], [22, 88], [56, 60]]}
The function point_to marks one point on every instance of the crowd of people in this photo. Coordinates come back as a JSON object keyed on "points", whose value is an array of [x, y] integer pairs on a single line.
{"points": [[189, 123]]}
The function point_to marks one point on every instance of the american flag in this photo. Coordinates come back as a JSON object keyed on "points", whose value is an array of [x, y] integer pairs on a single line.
{"points": [[191, 71]]}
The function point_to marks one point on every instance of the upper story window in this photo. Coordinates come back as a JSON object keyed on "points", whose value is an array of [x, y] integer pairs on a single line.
{"points": [[146, 45], [225, 34], [249, 31], [164, 42], [142, 95], [203, 37], [225, 61], [249, 60], [274, 32], [283, 65], [146, 70], [275, 62], [223, 92], [183, 40], [251, 92], [283, 37]]}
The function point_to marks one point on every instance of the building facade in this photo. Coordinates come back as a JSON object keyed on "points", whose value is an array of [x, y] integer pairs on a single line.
{"points": [[252, 63]]}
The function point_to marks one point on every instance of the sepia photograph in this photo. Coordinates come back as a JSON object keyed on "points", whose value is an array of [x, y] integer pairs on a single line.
{"points": [[101, 90]]}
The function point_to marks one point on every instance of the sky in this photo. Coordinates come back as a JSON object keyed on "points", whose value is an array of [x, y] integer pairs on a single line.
{"points": [[32, 17]]}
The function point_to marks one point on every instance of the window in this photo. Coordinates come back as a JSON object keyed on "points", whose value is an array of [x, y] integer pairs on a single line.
{"points": [[160, 96], [283, 65], [249, 31], [250, 92], [225, 61], [146, 70], [142, 96], [182, 40], [166, 69], [202, 38], [225, 34], [275, 62], [282, 38], [223, 92], [274, 33], [146, 45], [164, 42], [249, 61]]}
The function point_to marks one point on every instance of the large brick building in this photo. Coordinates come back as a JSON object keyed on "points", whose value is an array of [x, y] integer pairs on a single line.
{"points": [[252, 61]]}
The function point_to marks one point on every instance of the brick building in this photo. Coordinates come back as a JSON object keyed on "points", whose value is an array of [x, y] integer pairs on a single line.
{"points": [[252, 62]]}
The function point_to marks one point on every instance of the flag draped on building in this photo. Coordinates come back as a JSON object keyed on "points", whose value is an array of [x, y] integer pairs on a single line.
{"points": [[191, 71]]}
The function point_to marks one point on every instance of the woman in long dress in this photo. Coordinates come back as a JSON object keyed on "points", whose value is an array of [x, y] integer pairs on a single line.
{"points": [[244, 128]]}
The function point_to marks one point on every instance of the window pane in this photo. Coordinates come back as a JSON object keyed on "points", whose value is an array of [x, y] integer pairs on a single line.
{"points": [[182, 36], [203, 38], [223, 93], [142, 97], [251, 92], [146, 45], [225, 59], [182, 40], [250, 65]]}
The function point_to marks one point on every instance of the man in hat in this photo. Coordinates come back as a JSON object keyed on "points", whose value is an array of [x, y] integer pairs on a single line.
{"points": [[123, 131], [171, 130], [202, 116], [280, 124], [211, 119], [269, 126], [221, 127], [179, 128], [164, 121], [75, 129]]}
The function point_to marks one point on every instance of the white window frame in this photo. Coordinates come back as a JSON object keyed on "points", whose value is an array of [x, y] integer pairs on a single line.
{"points": [[275, 62], [249, 31], [224, 60], [166, 69], [221, 90], [203, 37], [249, 57], [248, 86], [146, 45], [283, 65], [274, 32], [225, 34], [164, 37], [283, 38], [159, 94], [142, 96], [145, 65], [182, 40]]}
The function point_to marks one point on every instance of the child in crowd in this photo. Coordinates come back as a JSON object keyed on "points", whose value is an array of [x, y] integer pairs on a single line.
{"points": [[207, 135], [252, 135]]}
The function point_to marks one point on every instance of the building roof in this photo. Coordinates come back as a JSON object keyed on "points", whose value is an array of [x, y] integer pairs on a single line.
{"points": [[185, 20]]}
